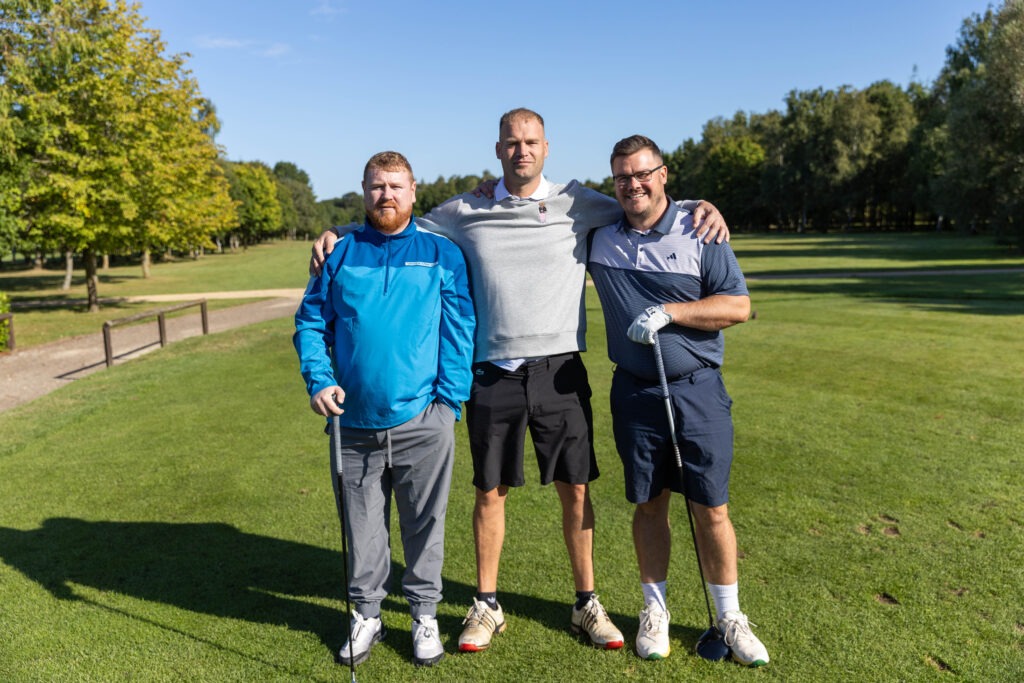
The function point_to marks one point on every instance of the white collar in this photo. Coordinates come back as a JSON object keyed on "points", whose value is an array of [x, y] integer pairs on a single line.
{"points": [[543, 190]]}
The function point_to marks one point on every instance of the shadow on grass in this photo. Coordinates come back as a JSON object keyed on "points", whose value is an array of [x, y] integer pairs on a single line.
{"points": [[72, 304], [897, 247], [37, 281], [215, 569], [985, 294]]}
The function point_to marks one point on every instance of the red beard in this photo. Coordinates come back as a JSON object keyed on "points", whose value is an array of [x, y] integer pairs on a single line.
{"points": [[388, 221]]}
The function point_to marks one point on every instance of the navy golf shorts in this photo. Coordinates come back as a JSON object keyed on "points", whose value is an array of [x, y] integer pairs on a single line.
{"points": [[703, 418]]}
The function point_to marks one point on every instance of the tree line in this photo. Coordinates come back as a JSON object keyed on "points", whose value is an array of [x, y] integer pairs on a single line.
{"points": [[882, 157], [108, 147]]}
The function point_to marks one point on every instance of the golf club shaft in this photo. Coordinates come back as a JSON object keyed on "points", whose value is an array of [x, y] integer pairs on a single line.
{"points": [[670, 414], [336, 445]]}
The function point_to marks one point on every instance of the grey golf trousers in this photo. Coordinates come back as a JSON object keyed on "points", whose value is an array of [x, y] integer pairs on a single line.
{"points": [[412, 461]]}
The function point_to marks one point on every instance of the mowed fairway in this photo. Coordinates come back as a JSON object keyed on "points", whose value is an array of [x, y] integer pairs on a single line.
{"points": [[172, 518]]}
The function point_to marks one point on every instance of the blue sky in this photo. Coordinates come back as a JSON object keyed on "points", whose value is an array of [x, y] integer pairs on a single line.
{"points": [[327, 83]]}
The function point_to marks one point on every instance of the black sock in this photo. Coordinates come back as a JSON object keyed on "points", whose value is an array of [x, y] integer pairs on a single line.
{"points": [[490, 598], [582, 597]]}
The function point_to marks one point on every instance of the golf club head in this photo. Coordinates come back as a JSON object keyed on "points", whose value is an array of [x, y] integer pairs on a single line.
{"points": [[711, 645]]}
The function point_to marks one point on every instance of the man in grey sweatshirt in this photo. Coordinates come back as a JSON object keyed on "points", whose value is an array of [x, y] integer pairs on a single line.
{"points": [[526, 252]]}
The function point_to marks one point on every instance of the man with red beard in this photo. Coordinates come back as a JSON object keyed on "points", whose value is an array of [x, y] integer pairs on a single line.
{"points": [[385, 341]]}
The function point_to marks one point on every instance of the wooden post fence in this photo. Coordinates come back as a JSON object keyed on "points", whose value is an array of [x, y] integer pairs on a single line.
{"points": [[161, 319]]}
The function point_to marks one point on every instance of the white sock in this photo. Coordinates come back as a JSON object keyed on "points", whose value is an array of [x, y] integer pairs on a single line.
{"points": [[726, 598], [654, 592]]}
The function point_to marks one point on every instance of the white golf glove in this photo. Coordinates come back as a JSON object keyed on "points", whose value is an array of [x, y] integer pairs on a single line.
{"points": [[645, 328]]}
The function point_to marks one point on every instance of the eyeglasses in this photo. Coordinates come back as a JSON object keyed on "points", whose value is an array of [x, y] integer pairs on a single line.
{"points": [[641, 176]]}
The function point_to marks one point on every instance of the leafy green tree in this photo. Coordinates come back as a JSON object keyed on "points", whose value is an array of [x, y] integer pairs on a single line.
{"points": [[981, 91], [180, 190], [685, 166], [768, 131], [886, 177], [289, 216], [805, 177], [71, 109], [854, 131], [606, 186], [963, 190], [259, 211], [345, 209], [731, 167], [429, 195], [92, 126], [980, 145], [300, 213], [1006, 78]]}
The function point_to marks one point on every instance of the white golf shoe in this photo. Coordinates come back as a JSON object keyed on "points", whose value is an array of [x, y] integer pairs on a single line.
{"points": [[481, 623], [745, 646], [426, 642], [365, 634], [593, 621], [652, 638]]}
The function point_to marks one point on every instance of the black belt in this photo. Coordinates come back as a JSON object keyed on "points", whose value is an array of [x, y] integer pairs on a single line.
{"points": [[651, 381]]}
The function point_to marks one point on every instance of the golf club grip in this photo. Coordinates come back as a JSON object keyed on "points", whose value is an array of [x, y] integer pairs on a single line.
{"points": [[661, 366], [336, 441]]}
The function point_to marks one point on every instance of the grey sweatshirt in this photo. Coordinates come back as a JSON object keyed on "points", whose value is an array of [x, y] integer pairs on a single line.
{"points": [[527, 264]]}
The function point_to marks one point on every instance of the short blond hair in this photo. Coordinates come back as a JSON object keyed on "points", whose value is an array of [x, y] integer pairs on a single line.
{"points": [[519, 113]]}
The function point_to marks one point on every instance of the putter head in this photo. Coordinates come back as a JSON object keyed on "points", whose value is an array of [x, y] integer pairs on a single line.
{"points": [[711, 645]]}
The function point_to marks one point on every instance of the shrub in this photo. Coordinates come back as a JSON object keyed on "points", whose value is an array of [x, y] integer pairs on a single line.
{"points": [[5, 325]]}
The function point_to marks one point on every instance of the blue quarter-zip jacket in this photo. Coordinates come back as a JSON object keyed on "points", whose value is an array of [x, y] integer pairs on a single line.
{"points": [[395, 315]]}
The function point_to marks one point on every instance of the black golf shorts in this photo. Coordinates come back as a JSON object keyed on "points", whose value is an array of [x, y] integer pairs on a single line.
{"points": [[551, 398]]}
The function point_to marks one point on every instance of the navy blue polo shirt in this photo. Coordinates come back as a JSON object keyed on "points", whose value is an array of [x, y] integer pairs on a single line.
{"points": [[632, 271]]}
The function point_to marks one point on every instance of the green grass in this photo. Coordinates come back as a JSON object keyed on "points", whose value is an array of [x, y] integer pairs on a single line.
{"points": [[172, 518], [271, 265], [44, 312], [817, 253]]}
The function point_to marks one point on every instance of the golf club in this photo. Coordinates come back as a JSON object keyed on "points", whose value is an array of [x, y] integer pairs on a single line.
{"points": [[711, 644], [336, 445]]}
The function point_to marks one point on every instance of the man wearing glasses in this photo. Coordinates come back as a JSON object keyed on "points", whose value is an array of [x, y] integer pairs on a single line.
{"points": [[526, 248], [657, 280]]}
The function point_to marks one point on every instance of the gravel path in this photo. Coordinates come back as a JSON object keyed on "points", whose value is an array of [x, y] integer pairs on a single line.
{"points": [[27, 374]]}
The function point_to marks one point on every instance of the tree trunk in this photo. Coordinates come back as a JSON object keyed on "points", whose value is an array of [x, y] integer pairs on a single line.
{"points": [[91, 281], [146, 262], [69, 269], [106, 262]]}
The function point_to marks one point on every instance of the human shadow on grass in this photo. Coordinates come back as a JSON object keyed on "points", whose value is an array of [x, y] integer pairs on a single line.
{"points": [[216, 569]]}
